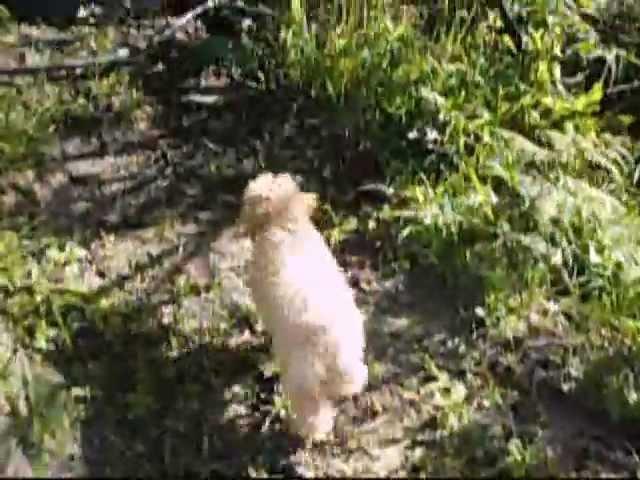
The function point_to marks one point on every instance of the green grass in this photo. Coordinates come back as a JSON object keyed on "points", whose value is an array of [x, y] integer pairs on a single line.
{"points": [[538, 189], [502, 168], [43, 296]]}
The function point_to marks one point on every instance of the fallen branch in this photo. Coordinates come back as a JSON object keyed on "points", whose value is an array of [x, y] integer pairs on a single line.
{"points": [[209, 5], [186, 18], [625, 88], [619, 95], [575, 80], [121, 57]]}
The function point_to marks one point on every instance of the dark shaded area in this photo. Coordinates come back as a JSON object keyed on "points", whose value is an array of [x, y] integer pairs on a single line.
{"points": [[150, 414], [161, 416], [194, 157], [46, 10], [420, 307]]}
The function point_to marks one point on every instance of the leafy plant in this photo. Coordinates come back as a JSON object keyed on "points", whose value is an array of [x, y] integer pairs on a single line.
{"points": [[532, 189]]}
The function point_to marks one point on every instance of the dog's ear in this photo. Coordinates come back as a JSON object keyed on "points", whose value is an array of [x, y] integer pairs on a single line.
{"points": [[311, 201], [305, 203], [256, 209]]}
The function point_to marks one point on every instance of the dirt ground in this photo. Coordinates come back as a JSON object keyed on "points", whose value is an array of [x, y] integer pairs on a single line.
{"points": [[156, 205]]}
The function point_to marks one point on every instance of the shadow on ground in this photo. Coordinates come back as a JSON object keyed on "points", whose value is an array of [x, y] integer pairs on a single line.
{"points": [[188, 164], [200, 412], [151, 205]]}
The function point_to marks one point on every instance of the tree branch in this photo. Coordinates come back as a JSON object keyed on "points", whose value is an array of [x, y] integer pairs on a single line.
{"points": [[122, 56]]}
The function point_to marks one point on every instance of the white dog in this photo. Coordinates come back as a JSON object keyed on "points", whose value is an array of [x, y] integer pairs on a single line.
{"points": [[304, 301]]}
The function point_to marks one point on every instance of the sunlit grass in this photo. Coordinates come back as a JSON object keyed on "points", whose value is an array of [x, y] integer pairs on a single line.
{"points": [[501, 168], [537, 194]]}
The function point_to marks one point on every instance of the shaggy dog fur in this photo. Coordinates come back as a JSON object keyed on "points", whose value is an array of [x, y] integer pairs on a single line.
{"points": [[304, 301]]}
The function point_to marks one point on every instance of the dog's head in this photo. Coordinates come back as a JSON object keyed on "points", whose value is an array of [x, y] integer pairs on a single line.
{"points": [[270, 199]]}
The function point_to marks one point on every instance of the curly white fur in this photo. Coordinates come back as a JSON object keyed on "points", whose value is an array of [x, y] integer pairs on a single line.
{"points": [[305, 302]]}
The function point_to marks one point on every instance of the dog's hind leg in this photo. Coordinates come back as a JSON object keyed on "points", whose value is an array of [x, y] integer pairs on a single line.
{"points": [[347, 373], [313, 416], [313, 412]]}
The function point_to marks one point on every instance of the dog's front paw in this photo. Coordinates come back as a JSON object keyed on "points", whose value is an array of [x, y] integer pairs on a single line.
{"points": [[316, 426], [309, 434]]}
